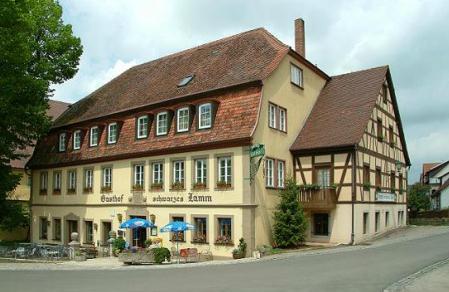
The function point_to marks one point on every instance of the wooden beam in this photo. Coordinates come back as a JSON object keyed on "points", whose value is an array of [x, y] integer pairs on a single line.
{"points": [[342, 179]]}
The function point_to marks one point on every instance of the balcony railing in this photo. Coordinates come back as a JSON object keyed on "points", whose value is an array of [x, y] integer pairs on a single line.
{"points": [[325, 198]]}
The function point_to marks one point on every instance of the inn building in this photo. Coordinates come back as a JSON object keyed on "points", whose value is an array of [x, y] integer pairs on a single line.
{"points": [[176, 139]]}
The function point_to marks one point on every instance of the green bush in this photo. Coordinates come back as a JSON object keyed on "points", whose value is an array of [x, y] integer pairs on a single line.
{"points": [[160, 254], [148, 242], [119, 244]]}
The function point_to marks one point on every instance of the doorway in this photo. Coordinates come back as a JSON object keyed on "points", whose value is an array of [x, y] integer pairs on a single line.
{"points": [[138, 235], [106, 228], [72, 226], [321, 224]]}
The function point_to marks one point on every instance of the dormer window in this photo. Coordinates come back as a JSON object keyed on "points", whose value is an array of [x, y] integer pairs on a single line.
{"points": [[162, 123], [93, 141], [112, 133], [62, 141], [205, 116], [77, 140], [296, 75], [142, 127], [186, 80], [182, 122]]}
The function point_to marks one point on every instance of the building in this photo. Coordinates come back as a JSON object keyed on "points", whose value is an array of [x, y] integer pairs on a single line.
{"points": [[23, 190], [435, 175], [182, 138]]}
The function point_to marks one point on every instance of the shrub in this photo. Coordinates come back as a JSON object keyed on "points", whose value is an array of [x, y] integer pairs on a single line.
{"points": [[119, 244], [160, 254], [148, 242]]}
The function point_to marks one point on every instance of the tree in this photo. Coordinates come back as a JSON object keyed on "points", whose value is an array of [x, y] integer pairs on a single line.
{"points": [[290, 223], [418, 197], [36, 50]]}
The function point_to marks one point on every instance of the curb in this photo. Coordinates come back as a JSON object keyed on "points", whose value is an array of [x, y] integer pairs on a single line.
{"points": [[404, 282]]}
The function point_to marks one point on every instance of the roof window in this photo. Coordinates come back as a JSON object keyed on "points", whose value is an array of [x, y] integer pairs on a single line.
{"points": [[184, 81]]}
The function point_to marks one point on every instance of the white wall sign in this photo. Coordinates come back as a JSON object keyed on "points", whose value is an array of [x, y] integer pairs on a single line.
{"points": [[385, 197]]}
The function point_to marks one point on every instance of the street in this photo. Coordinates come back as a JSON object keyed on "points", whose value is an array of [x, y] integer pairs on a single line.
{"points": [[370, 268]]}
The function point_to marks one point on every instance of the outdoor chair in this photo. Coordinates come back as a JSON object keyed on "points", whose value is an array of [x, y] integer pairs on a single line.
{"points": [[205, 254]]}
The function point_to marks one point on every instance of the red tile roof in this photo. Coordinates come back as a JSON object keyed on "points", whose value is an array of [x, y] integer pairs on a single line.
{"points": [[56, 108], [241, 58], [342, 110], [426, 167]]}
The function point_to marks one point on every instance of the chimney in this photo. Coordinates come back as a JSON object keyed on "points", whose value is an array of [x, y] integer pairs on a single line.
{"points": [[300, 43]]}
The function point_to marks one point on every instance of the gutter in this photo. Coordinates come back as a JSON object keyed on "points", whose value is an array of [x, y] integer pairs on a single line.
{"points": [[353, 191]]}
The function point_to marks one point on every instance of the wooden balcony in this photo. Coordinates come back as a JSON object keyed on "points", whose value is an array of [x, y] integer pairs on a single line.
{"points": [[324, 199]]}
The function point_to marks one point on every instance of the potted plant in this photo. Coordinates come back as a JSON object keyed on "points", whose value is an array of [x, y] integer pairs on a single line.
{"points": [[148, 242], [118, 246], [240, 251], [199, 186], [56, 191], [107, 189], [43, 191], [87, 190], [223, 240], [71, 191], [137, 187]]}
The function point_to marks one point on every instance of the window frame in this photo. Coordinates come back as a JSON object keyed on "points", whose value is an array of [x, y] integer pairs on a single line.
{"points": [[91, 132], [269, 172], [228, 170], [71, 185], [139, 176], [178, 117], [43, 224], [43, 182], [159, 133], [282, 125], [181, 172], [105, 177], [88, 184], [87, 234], [160, 172], [57, 182], [139, 127], [316, 173], [200, 117], [272, 115], [197, 230], [57, 236], [218, 233], [202, 170], [300, 83], [109, 133], [280, 177]]}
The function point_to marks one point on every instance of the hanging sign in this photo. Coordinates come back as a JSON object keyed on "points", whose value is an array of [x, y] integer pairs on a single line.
{"points": [[257, 150]]}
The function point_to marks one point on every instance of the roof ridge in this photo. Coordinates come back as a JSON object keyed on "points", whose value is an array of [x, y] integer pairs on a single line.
{"points": [[361, 71]]}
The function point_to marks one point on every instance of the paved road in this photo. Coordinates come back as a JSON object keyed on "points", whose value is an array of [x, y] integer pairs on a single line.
{"points": [[349, 269]]}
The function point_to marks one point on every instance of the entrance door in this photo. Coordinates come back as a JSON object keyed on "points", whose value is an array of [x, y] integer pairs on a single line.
{"points": [[106, 228], [72, 226], [321, 224], [138, 235]]}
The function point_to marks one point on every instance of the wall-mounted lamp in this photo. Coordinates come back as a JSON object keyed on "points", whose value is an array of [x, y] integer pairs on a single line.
{"points": [[119, 217], [153, 218], [398, 166]]}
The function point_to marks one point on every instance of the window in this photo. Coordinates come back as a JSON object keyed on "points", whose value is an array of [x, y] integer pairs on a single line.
{"points": [[142, 127], [43, 228], [94, 131], [283, 119], [378, 178], [71, 186], [182, 122], [377, 221], [392, 181], [57, 182], [107, 178], [391, 135], [400, 183], [184, 81], [77, 140], [57, 230], [162, 123], [43, 181], [387, 219], [200, 172], [224, 170], [205, 116], [366, 176], [89, 231], [88, 180], [112, 133], [385, 93], [158, 174], [224, 232], [365, 223], [321, 224], [281, 174], [180, 235], [269, 173], [62, 140], [272, 115], [296, 75], [200, 232], [323, 176], [138, 176], [178, 173], [380, 136]]}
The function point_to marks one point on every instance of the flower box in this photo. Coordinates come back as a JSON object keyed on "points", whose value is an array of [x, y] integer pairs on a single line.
{"points": [[43, 192], [199, 186], [157, 186], [177, 186], [137, 188], [87, 190], [366, 186], [223, 240], [106, 189], [71, 191], [221, 185], [56, 191]]}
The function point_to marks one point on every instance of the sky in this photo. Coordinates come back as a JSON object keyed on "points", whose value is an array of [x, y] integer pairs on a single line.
{"points": [[411, 36]]}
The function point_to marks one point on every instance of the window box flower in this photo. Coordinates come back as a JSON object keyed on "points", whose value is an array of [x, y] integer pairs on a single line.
{"points": [[56, 191], [223, 185], [71, 191], [224, 240], [137, 188], [43, 191], [199, 186], [381, 138], [199, 239], [157, 186], [393, 144], [177, 186], [87, 190], [106, 189]]}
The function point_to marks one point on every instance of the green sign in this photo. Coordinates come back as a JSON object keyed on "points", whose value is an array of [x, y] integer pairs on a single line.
{"points": [[257, 150]]}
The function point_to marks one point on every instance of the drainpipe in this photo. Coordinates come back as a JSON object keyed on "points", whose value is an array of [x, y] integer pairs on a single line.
{"points": [[353, 190]]}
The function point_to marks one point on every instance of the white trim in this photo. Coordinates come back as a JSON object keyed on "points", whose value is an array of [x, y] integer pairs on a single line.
{"points": [[139, 120], [62, 142], [75, 134], [109, 133], [90, 136], [158, 133], [178, 118], [200, 118]]}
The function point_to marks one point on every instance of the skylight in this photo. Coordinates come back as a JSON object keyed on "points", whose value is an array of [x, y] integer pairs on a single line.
{"points": [[184, 81]]}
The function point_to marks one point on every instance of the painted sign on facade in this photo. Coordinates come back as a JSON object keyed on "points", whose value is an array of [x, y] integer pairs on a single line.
{"points": [[385, 197]]}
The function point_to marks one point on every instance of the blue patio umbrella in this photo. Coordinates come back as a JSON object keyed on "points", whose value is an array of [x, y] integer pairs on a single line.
{"points": [[177, 226], [135, 223]]}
